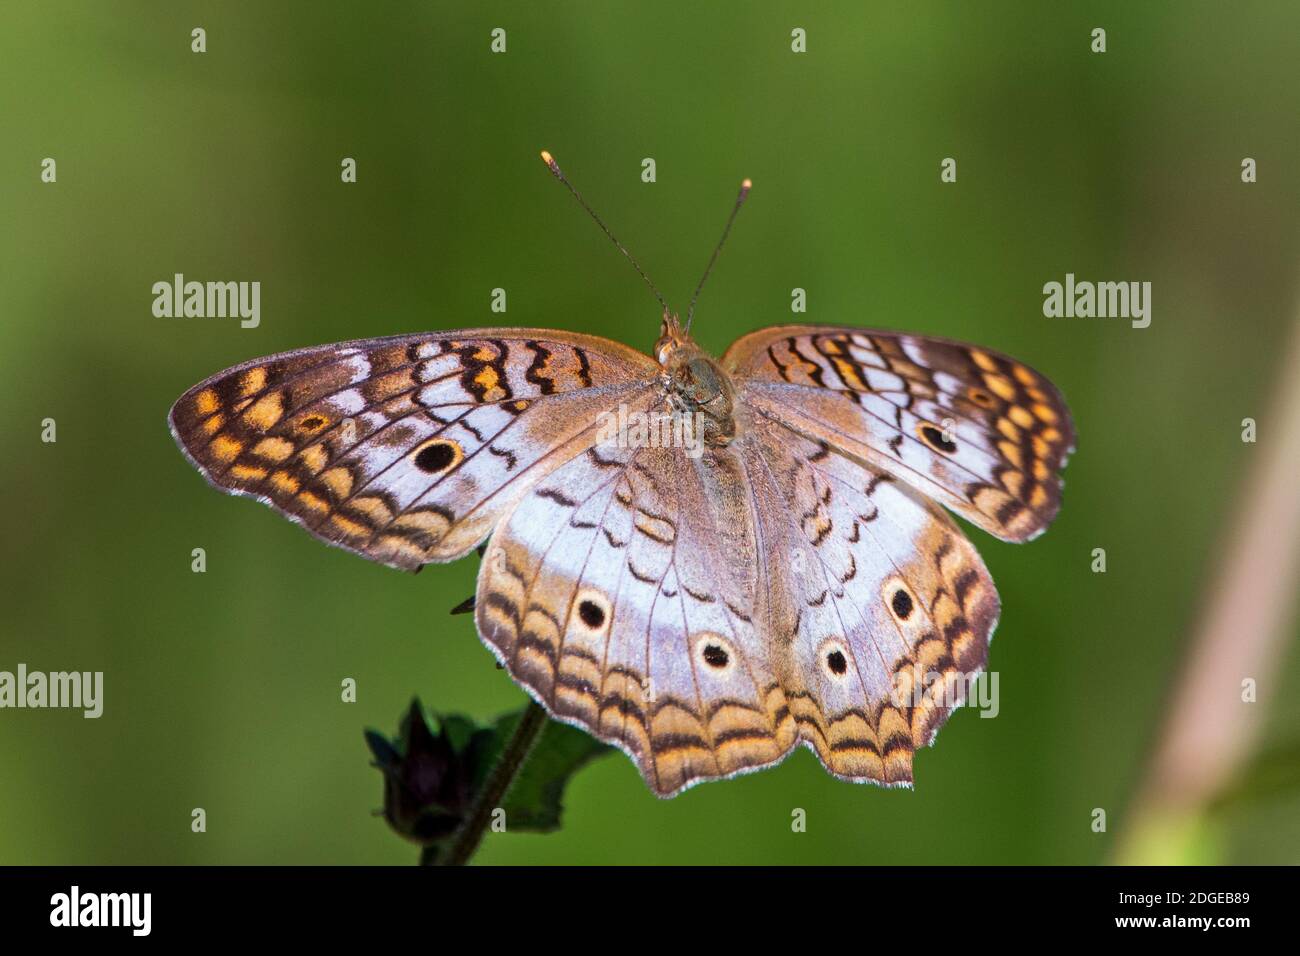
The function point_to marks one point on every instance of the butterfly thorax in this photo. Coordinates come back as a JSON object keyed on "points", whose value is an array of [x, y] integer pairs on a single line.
{"points": [[695, 385]]}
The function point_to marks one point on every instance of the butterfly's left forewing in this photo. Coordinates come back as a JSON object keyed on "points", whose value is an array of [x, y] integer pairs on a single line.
{"points": [[406, 449]]}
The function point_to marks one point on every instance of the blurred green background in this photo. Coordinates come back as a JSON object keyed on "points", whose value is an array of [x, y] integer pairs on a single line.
{"points": [[222, 689]]}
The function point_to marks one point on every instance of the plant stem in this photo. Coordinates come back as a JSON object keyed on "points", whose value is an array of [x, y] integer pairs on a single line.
{"points": [[466, 839], [1209, 731]]}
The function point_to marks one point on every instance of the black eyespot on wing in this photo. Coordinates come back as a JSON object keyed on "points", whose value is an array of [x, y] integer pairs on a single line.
{"points": [[435, 457], [902, 603], [936, 439], [592, 614], [836, 662], [715, 656]]}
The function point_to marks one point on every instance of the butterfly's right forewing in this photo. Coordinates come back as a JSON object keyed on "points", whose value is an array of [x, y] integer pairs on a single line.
{"points": [[978, 431]]}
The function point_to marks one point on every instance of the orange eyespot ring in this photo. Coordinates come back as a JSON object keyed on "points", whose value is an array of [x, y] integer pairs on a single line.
{"points": [[437, 456]]}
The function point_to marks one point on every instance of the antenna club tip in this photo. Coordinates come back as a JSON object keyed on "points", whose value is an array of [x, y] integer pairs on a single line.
{"points": [[746, 185], [551, 164]]}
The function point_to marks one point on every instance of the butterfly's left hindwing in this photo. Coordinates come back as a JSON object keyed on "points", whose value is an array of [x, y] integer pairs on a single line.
{"points": [[407, 449]]}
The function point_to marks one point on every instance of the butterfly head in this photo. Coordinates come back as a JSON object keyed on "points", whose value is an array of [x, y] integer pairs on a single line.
{"points": [[672, 338]]}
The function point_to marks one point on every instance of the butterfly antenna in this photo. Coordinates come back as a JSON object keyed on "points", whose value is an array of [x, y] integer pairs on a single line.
{"points": [[745, 187], [554, 167]]}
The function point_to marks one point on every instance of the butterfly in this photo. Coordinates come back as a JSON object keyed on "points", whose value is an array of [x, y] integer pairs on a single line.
{"points": [[784, 574]]}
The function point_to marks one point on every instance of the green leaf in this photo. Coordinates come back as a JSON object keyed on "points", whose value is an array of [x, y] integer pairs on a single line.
{"points": [[533, 802]]}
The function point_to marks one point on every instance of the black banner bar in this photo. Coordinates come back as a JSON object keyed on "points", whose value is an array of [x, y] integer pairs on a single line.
{"points": [[207, 904]]}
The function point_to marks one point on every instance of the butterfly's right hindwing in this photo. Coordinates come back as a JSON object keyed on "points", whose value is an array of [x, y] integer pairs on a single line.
{"points": [[621, 591], [883, 609]]}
